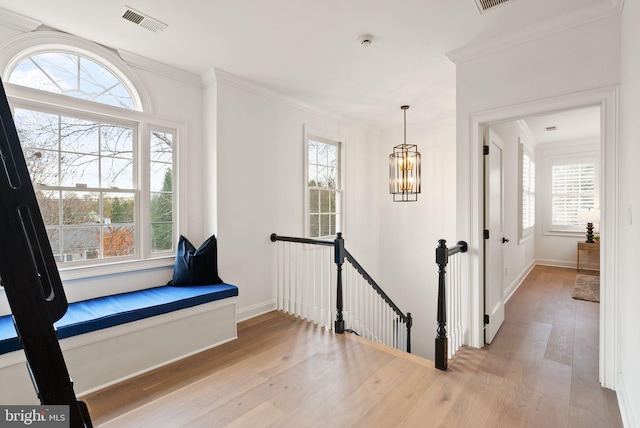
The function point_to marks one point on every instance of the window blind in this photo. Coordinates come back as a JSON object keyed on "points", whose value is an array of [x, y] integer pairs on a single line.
{"points": [[528, 192], [572, 189]]}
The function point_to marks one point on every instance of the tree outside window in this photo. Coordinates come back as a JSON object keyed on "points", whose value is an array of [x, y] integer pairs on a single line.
{"points": [[85, 167], [323, 169]]}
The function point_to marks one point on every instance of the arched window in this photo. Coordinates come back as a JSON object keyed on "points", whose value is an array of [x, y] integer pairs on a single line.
{"points": [[73, 75], [103, 172]]}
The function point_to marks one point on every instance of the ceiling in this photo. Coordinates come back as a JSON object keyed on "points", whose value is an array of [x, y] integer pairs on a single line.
{"points": [[308, 50], [572, 125]]}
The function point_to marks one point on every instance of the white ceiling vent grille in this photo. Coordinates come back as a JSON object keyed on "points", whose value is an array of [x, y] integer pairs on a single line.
{"points": [[143, 20], [485, 5]]}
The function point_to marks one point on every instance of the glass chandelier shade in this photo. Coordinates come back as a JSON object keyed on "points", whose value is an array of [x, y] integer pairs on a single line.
{"points": [[404, 169]]}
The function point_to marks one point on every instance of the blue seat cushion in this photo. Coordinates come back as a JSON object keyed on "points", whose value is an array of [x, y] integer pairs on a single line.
{"points": [[108, 311]]}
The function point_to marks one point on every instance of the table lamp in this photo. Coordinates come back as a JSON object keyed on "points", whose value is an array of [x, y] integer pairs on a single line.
{"points": [[589, 216]]}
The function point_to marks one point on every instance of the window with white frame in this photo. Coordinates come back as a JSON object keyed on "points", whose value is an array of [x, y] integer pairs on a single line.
{"points": [[573, 187], [527, 192], [103, 172], [73, 75], [323, 187]]}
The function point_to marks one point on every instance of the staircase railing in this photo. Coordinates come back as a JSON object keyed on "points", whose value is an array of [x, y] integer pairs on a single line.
{"points": [[449, 285], [306, 290]]}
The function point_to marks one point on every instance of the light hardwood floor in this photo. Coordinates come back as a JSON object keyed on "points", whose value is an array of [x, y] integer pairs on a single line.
{"points": [[540, 371]]}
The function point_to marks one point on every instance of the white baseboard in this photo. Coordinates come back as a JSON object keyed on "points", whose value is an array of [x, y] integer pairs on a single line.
{"points": [[629, 420], [556, 263], [518, 281], [256, 310]]}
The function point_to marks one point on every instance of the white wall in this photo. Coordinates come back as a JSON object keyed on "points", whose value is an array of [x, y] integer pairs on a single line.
{"points": [[558, 249], [629, 219], [556, 69], [409, 231], [395, 242], [518, 255], [529, 72], [260, 142]]}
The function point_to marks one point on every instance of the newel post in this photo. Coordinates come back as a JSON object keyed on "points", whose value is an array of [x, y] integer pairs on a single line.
{"points": [[442, 257], [409, 325], [338, 247]]}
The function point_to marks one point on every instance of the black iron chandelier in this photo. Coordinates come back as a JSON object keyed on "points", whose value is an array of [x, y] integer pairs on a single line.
{"points": [[404, 169]]}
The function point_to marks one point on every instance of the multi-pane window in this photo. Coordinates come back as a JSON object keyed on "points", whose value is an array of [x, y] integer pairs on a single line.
{"points": [[324, 191], [104, 183], [83, 175], [528, 195], [573, 187], [72, 75], [162, 192]]}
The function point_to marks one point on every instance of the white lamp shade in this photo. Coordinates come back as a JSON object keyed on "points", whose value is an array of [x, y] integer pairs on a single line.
{"points": [[589, 216]]}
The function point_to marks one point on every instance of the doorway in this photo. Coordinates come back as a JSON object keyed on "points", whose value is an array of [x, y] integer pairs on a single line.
{"points": [[471, 200], [528, 223]]}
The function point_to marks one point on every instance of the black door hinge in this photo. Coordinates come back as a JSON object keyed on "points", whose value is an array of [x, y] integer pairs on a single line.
{"points": [[485, 150], [486, 319], [485, 234]]}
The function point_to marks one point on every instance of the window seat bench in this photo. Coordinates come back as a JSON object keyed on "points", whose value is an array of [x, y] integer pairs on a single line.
{"points": [[112, 338]]}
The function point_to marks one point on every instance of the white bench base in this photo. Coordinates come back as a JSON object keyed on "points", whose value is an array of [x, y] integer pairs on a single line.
{"points": [[105, 357]]}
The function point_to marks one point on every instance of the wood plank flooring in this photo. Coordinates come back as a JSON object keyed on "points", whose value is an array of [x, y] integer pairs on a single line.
{"points": [[540, 371]]}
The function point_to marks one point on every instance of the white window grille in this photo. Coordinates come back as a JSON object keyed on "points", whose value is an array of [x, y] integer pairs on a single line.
{"points": [[527, 192], [573, 187], [104, 176], [323, 187]]}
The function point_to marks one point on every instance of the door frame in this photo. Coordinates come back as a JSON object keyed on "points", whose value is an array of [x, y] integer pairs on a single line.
{"points": [[471, 225]]}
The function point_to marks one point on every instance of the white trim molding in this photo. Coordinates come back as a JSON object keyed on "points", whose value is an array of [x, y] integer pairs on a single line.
{"points": [[222, 76], [607, 99], [146, 64], [255, 310], [18, 22], [19, 47], [593, 12]]}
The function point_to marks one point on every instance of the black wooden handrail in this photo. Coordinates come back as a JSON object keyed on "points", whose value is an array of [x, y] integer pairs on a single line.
{"points": [[442, 259], [340, 254], [460, 247], [275, 237], [406, 318]]}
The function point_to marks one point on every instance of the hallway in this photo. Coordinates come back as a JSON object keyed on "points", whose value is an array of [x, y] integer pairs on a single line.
{"points": [[546, 357]]}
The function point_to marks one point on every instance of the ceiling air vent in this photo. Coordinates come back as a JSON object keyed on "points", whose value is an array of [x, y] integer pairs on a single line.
{"points": [[485, 5], [143, 20]]}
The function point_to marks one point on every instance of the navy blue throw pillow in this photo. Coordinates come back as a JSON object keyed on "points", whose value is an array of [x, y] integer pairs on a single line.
{"points": [[196, 267]]}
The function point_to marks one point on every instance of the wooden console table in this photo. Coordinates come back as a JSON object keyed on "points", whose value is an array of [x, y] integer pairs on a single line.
{"points": [[592, 257]]}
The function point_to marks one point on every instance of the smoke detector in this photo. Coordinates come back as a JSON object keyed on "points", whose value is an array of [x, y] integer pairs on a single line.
{"points": [[142, 20], [365, 40]]}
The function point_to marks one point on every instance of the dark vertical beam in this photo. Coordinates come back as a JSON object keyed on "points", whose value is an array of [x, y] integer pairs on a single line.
{"points": [[409, 325], [339, 255], [442, 257]]}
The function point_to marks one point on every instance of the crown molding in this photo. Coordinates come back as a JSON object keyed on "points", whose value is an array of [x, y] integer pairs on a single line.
{"points": [[585, 15], [618, 4], [18, 22], [224, 77], [143, 63], [208, 77]]}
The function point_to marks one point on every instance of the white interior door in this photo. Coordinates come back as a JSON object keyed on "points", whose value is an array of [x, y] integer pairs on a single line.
{"points": [[494, 245]]}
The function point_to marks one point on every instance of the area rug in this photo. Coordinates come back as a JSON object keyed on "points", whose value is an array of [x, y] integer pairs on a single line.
{"points": [[587, 287]]}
